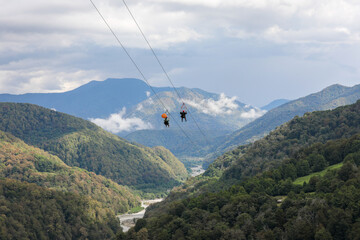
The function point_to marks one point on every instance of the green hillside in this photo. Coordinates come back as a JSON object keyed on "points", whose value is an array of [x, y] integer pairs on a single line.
{"points": [[287, 140], [306, 179], [327, 208], [28, 211], [269, 205], [82, 144], [170, 159], [26, 163]]}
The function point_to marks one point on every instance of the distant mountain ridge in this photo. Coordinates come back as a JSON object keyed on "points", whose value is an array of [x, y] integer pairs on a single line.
{"points": [[215, 114], [100, 99], [329, 98], [94, 99], [103, 103], [212, 111], [274, 104]]}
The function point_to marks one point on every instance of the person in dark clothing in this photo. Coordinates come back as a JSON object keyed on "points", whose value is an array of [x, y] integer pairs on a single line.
{"points": [[166, 122], [183, 115]]}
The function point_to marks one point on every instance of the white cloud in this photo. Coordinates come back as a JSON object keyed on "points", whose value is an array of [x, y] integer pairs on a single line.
{"points": [[253, 113], [139, 107], [210, 106], [43, 24], [117, 123], [311, 35], [147, 93], [43, 80], [26, 26], [191, 34]]}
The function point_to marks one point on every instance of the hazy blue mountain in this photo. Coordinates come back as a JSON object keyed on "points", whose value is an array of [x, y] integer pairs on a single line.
{"points": [[103, 102], [94, 99], [100, 99], [215, 114], [211, 111], [329, 98], [274, 104]]}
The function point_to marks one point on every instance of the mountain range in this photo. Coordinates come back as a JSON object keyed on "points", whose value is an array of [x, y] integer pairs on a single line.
{"points": [[210, 116], [92, 100], [62, 175], [129, 109], [101, 99], [329, 98]]}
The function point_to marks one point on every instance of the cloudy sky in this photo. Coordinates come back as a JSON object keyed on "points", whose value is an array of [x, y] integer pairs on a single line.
{"points": [[257, 50]]}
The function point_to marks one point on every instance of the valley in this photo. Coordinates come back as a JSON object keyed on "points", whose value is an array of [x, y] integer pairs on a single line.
{"points": [[222, 187], [238, 195], [180, 120], [128, 220], [197, 170]]}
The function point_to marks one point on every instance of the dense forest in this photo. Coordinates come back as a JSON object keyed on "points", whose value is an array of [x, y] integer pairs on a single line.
{"points": [[28, 211], [302, 181], [80, 143], [26, 163], [270, 206], [286, 141], [264, 200]]}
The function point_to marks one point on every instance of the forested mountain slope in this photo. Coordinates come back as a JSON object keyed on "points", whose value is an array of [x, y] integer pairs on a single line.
{"points": [[82, 144], [28, 211], [26, 163], [270, 206], [239, 205], [329, 98], [286, 140]]}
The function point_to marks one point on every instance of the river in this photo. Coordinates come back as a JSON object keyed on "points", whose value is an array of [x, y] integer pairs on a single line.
{"points": [[127, 221], [195, 171]]}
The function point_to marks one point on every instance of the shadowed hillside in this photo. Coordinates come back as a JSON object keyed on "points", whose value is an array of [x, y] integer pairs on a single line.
{"points": [[31, 212]]}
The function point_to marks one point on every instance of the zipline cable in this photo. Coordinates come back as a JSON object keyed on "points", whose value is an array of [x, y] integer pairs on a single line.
{"points": [[137, 67], [162, 67]]}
